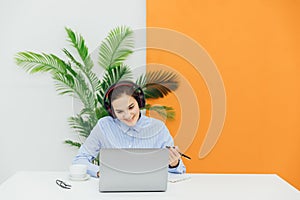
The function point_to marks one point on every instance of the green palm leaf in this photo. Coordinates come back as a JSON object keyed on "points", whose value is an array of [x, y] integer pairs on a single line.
{"points": [[72, 143], [73, 60], [34, 62], [90, 114], [158, 84], [100, 112], [64, 84], [81, 125], [116, 47], [79, 44], [91, 77], [164, 111], [75, 87]]}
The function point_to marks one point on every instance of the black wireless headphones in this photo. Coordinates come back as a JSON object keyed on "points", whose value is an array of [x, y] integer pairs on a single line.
{"points": [[137, 94]]}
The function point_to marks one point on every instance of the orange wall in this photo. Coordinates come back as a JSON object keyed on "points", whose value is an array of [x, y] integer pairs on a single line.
{"points": [[255, 45]]}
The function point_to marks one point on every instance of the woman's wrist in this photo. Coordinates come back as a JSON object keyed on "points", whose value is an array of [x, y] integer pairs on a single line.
{"points": [[174, 165]]}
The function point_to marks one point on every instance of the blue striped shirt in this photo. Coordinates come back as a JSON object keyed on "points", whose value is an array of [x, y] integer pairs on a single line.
{"points": [[112, 133]]}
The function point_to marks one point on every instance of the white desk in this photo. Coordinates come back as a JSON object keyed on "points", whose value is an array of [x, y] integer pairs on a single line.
{"points": [[41, 185]]}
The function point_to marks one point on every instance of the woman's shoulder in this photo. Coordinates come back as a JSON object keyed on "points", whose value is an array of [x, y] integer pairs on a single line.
{"points": [[154, 126], [105, 120], [153, 121]]}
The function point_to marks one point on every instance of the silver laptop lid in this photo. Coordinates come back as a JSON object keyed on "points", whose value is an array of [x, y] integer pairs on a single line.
{"points": [[133, 169]]}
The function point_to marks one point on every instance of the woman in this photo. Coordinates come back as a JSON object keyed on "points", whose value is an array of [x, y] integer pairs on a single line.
{"points": [[126, 127]]}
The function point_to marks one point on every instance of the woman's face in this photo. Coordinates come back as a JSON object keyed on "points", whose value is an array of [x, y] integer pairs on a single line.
{"points": [[126, 109]]}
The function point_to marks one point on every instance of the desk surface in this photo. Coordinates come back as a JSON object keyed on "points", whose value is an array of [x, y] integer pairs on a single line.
{"points": [[41, 185]]}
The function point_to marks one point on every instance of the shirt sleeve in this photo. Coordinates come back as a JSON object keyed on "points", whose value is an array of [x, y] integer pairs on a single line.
{"points": [[89, 150], [168, 141]]}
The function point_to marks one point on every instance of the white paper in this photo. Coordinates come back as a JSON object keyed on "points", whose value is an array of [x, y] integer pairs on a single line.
{"points": [[174, 178]]}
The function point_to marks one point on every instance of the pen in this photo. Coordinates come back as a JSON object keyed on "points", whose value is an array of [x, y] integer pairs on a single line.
{"points": [[183, 155]]}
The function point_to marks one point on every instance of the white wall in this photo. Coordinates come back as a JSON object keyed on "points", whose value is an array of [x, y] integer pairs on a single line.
{"points": [[33, 117]]}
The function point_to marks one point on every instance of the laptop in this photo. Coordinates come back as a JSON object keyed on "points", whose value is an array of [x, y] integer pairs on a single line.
{"points": [[129, 170]]}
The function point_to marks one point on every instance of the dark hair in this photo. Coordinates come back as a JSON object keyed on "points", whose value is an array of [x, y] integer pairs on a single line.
{"points": [[118, 89]]}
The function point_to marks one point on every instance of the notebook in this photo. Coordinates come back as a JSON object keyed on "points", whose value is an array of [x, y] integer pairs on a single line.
{"points": [[127, 170]]}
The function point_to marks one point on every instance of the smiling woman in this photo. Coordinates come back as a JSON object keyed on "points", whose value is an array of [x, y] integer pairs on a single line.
{"points": [[126, 127], [123, 100], [126, 109]]}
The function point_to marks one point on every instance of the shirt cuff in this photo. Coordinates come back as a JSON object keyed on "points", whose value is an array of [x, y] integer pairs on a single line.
{"points": [[180, 169], [92, 170]]}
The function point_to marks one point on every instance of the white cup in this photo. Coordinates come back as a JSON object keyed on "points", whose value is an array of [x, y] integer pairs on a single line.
{"points": [[78, 170]]}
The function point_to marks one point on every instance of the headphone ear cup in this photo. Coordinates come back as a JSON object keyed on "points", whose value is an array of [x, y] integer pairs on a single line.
{"points": [[108, 108], [141, 98], [110, 111], [142, 101]]}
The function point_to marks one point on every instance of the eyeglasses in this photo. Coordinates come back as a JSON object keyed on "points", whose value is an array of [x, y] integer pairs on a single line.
{"points": [[63, 184]]}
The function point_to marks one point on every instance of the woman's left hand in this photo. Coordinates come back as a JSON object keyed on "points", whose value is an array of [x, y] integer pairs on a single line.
{"points": [[174, 156]]}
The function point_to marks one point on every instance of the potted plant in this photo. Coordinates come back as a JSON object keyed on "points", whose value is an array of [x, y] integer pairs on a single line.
{"points": [[76, 78]]}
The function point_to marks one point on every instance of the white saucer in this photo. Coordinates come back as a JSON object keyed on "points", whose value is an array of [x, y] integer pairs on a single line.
{"points": [[86, 177]]}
